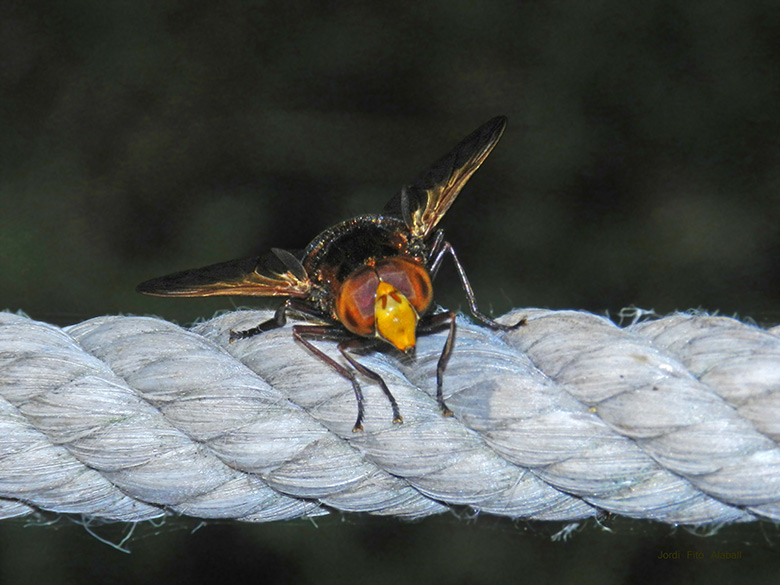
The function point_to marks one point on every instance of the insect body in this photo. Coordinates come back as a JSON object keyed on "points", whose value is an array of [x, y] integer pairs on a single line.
{"points": [[365, 281]]}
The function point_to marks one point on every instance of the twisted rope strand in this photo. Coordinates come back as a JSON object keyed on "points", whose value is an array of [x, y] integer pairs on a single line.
{"points": [[131, 418]]}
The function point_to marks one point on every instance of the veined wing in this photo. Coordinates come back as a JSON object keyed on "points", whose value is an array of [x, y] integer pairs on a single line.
{"points": [[425, 201], [279, 273]]}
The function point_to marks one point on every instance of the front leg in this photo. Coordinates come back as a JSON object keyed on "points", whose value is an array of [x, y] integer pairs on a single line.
{"points": [[347, 341], [431, 323], [365, 343]]}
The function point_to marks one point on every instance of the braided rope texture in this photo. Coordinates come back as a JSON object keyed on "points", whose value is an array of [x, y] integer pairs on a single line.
{"points": [[125, 418]]}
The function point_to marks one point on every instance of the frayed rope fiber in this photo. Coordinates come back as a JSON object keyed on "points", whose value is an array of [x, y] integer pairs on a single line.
{"points": [[132, 418]]}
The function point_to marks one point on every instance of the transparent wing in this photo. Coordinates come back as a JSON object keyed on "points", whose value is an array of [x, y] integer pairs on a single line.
{"points": [[279, 273], [425, 201]]}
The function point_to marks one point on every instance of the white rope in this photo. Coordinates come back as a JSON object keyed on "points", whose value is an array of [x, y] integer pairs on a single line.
{"points": [[131, 418]]}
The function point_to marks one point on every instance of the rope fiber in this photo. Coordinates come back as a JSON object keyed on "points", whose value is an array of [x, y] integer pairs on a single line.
{"points": [[126, 418]]}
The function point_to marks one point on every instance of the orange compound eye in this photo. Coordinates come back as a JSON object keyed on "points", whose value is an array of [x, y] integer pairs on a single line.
{"points": [[355, 301], [410, 278]]}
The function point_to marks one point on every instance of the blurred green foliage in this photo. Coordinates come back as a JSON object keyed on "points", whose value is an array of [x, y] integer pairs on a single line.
{"points": [[640, 165]]}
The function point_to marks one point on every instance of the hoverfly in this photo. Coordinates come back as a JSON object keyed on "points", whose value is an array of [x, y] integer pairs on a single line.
{"points": [[365, 281]]}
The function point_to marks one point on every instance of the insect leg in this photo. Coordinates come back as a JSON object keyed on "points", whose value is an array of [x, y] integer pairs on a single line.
{"points": [[328, 332], [435, 255], [431, 323], [278, 320], [446, 248], [360, 342]]}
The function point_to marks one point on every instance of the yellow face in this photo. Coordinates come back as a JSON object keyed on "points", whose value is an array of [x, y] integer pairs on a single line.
{"points": [[396, 319]]}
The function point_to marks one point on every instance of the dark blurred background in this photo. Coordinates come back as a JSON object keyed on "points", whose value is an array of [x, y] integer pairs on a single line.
{"points": [[640, 167]]}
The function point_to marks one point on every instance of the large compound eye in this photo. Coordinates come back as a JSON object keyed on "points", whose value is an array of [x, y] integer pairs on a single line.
{"points": [[410, 278], [355, 301]]}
